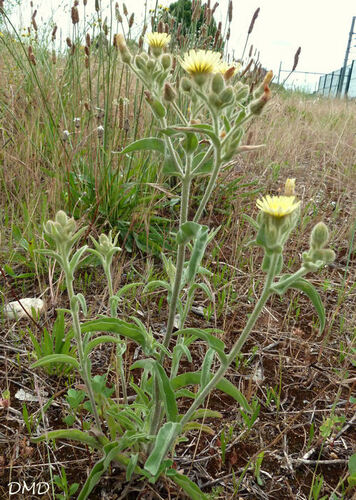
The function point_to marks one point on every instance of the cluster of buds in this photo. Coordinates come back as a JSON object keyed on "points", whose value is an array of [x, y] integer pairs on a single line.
{"points": [[63, 232], [105, 248], [318, 254], [220, 96]]}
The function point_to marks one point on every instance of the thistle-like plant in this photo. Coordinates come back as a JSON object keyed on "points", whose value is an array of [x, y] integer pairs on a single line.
{"points": [[210, 113]]}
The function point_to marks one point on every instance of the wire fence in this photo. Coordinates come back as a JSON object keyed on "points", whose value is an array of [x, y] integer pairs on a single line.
{"points": [[341, 82]]}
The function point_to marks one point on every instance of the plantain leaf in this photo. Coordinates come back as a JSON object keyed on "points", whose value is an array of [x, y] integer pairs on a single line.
{"points": [[164, 440], [147, 144], [56, 358]]}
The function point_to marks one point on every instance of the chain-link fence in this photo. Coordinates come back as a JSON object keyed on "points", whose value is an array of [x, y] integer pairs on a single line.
{"points": [[341, 82]]}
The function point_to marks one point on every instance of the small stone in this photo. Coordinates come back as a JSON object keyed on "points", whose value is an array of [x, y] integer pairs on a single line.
{"points": [[13, 310]]}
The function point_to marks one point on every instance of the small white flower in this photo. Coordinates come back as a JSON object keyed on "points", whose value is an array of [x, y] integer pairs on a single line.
{"points": [[100, 131]]}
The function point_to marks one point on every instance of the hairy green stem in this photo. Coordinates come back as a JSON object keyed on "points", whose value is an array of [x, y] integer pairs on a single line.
{"points": [[238, 344], [210, 186], [78, 335]]}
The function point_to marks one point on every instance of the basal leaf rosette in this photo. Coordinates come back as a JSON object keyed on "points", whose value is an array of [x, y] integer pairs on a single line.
{"points": [[200, 64]]}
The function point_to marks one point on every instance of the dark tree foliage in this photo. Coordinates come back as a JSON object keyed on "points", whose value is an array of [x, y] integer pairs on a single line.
{"points": [[182, 12]]}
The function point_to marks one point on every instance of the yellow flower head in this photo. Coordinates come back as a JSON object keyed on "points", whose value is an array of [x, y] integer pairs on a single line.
{"points": [[278, 206], [158, 40], [200, 62]]}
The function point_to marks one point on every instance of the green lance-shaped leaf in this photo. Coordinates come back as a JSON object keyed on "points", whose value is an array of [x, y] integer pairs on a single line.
{"points": [[56, 358], [164, 440], [206, 367], [202, 129], [205, 168], [200, 243], [169, 167], [110, 451], [118, 326], [312, 294], [72, 435], [147, 144], [190, 488], [100, 340], [167, 393], [214, 343], [193, 378], [308, 289]]}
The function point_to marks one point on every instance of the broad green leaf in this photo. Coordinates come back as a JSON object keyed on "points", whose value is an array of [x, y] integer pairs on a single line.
{"points": [[193, 378], [115, 325], [309, 290], [206, 413], [100, 340], [131, 466], [98, 470], [192, 426], [190, 488], [203, 129], [352, 465], [215, 343], [170, 168], [200, 243], [206, 366], [147, 144], [164, 440], [167, 394], [72, 435], [187, 232], [56, 358]]}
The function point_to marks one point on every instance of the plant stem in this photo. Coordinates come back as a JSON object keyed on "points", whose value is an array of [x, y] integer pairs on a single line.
{"points": [[211, 184], [238, 344], [78, 335]]}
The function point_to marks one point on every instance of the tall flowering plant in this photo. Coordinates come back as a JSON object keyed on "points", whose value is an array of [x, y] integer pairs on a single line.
{"points": [[141, 435]]}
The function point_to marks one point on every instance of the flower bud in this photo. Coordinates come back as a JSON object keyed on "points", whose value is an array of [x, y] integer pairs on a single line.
{"points": [[319, 235], [289, 188], [241, 91], [169, 93], [140, 62], [166, 61], [257, 106], [227, 95], [186, 84], [156, 106], [217, 83]]}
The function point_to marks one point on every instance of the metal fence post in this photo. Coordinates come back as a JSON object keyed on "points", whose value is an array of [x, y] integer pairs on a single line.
{"points": [[349, 78]]}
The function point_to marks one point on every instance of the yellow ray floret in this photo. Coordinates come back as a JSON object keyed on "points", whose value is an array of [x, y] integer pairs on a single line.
{"points": [[200, 62], [279, 206], [156, 39]]}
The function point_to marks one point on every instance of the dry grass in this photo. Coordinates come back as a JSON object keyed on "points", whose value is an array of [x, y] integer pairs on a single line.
{"points": [[307, 137]]}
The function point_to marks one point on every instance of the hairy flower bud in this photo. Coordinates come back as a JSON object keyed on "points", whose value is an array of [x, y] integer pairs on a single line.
{"points": [[166, 61], [217, 83], [319, 236], [186, 84], [227, 95], [257, 106], [169, 93]]}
